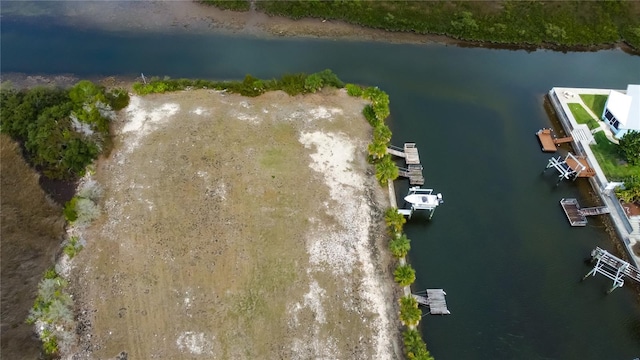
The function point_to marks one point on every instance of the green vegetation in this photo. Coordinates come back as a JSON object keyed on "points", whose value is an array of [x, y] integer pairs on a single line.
{"points": [[629, 147], [414, 346], [235, 5], [631, 190], [292, 84], [582, 116], [404, 275], [527, 23], [400, 246], [386, 170], [394, 221], [410, 313], [73, 247], [595, 102], [52, 310], [61, 130], [608, 156]]}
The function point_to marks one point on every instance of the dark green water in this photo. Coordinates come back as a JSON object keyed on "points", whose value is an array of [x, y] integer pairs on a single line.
{"points": [[500, 246]]}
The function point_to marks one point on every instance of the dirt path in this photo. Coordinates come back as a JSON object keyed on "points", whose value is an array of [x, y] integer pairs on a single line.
{"points": [[244, 228]]}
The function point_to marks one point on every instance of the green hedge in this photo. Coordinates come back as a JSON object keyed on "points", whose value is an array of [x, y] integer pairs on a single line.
{"points": [[292, 84]]}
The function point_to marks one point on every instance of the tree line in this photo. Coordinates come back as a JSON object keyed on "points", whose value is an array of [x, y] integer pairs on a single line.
{"points": [[61, 130], [528, 23]]}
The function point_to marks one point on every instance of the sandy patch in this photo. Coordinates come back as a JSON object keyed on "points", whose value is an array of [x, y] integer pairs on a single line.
{"points": [[265, 231]]}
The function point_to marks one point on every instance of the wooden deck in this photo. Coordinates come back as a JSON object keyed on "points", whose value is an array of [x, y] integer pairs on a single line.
{"points": [[413, 173], [578, 216], [572, 211], [435, 300], [411, 154], [546, 140], [581, 166]]}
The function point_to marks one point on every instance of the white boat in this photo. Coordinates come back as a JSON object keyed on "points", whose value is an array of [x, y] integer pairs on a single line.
{"points": [[423, 199]]}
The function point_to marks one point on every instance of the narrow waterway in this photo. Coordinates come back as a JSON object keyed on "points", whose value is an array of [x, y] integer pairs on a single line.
{"points": [[500, 245]]}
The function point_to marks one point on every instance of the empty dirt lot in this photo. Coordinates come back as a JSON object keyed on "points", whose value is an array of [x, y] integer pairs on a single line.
{"points": [[237, 228]]}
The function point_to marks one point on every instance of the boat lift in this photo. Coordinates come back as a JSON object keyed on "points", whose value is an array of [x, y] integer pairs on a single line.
{"points": [[421, 199]]}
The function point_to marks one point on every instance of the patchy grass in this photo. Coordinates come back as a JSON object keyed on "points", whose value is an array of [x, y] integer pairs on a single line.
{"points": [[594, 102], [613, 166], [32, 229], [220, 237], [582, 116]]}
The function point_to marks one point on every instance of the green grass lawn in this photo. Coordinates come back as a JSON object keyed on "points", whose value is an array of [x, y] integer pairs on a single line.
{"points": [[595, 102], [613, 166], [582, 116]]}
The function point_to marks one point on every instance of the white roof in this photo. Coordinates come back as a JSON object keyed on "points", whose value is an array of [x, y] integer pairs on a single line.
{"points": [[619, 105], [633, 118]]}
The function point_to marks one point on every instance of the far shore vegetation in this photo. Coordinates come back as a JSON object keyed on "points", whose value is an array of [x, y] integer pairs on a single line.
{"points": [[556, 24]]}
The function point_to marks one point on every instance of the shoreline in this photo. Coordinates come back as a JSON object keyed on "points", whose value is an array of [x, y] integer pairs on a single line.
{"points": [[624, 226], [195, 18]]}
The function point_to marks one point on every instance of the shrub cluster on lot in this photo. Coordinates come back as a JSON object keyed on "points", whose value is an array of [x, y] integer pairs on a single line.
{"points": [[62, 130], [292, 84], [52, 311]]}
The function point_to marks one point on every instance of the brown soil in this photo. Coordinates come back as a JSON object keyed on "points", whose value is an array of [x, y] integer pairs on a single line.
{"points": [[631, 209], [229, 233], [32, 231]]}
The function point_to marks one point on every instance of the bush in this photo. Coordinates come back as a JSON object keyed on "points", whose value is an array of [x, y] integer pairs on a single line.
{"points": [[410, 314], [354, 90], [73, 247], [394, 220], [86, 211], [90, 189], [118, 99], [386, 170], [629, 147], [404, 275], [400, 246], [414, 346], [69, 210]]}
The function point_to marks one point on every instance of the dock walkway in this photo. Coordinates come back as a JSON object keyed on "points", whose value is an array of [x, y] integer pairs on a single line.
{"points": [[413, 169], [578, 216], [434, 300]]}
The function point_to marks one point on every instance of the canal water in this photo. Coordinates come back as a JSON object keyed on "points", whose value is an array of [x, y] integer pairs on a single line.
{"points": [[500, 245]]}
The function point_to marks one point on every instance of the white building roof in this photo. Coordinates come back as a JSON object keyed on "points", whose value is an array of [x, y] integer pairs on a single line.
{"points": [[633, 117], [619, 105]]}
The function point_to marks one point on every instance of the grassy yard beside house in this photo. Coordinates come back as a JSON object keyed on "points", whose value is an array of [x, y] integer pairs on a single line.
{"points": [[595, 102], [613, 166], [582, 116]]}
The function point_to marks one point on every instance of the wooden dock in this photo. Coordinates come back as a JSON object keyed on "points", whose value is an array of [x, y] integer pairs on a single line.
{"points": [[549, 142], [580, 165], [413, 173], [413, 169], [434, 300], [578, 216], [409, 153]]}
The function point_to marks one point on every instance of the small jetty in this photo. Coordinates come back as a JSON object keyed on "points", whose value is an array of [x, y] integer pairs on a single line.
{"points": [[570, 167], [409, 152], [412, 169], [612, 267], [434, 299], [549, 142], [578, 216]]}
